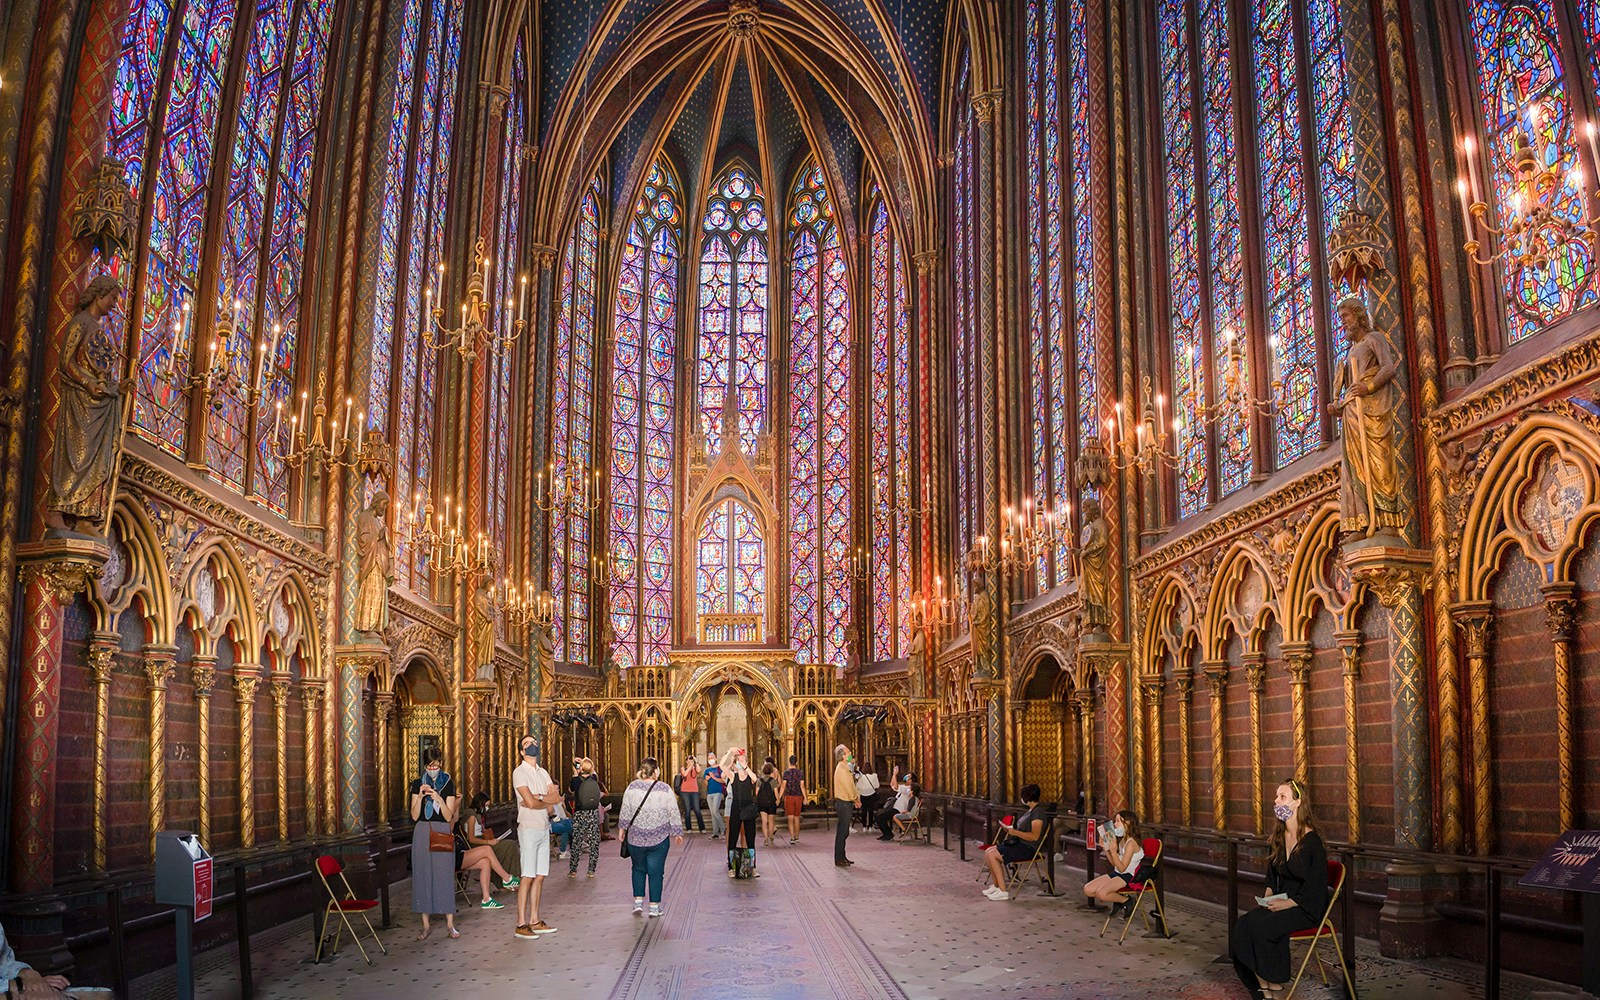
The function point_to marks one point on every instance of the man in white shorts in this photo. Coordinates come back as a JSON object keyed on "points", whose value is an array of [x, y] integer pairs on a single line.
{"points": [[536, 793]]}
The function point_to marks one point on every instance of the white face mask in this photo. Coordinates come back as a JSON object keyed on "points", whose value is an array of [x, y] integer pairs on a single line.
{"points": [[1119, 830]]}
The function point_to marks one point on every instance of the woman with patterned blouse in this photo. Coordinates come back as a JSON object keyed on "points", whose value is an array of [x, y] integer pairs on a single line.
{"points": [[650, 821]]}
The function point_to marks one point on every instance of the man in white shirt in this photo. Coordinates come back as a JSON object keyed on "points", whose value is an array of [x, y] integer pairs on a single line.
{"points": [[536, 793], [900, 805]]}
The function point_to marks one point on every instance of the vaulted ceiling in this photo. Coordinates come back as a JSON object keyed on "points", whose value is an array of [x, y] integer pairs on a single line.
{"points": [[854, 82]]}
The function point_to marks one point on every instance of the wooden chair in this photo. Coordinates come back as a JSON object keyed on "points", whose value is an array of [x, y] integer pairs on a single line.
{"points": [[910, 828], [1139, 890], [1324, 930], [327, 867], [1018, 872]]}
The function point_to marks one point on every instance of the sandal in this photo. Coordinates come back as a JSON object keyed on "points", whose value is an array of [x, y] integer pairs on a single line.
{"points": [[454, 933], [424, 935]]}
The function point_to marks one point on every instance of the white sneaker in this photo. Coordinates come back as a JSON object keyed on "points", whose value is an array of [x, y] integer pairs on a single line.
{"points": [[638, 905], [655, 909], [562, 856], [996, 893]]}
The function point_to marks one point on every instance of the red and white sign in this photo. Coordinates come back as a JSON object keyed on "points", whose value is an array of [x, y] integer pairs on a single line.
{"points": [[1088, 836], [202, 889]]}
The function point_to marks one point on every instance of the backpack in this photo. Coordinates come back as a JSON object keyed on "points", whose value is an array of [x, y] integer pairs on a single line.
{"points": [[589, 793]]}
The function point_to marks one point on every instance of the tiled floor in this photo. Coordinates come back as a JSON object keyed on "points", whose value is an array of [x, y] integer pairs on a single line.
{"points": [[906, 921]]}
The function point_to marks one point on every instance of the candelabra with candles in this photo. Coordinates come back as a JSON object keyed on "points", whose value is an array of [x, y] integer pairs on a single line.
{"points": [[1029, 534], [445, 541], [855, 565], [474, 336], [599, 572], [527, 605], [1146, 450], [931, 613], [899, 502], [573, 487], [1235, 402], [316, 443], [1535, 232], [226, 366]]}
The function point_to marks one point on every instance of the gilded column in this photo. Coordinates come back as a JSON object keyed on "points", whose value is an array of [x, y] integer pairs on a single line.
{"points": [[203, 673], [1255, 671], [1297, 657], [327, 713], [1476, 621], [471, 767], [383, 712], [1349, 641], [158, 666], [1395, 575], [1560, 615], [246, 679], [1155, 808], [1185, 775], [102, 645], [280, 728], [310, 701], [1216, 675], [356, 663], [54, 573], [1086, 710]]}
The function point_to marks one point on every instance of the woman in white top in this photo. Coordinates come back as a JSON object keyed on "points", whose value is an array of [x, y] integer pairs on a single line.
{"points": [[649, 819], [1124, 851]]}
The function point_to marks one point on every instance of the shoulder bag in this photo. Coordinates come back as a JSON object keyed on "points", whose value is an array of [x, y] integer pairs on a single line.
{"points": [[624, 835]]}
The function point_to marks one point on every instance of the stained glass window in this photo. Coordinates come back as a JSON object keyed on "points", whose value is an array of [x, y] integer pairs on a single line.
{"points": [[819, 425], [1063, 349], [1523, 92], [732, 366], [964, 267], [511, 301], [1206, 150], [642, 426], [888, 434], [572, 434], [730, 563]]}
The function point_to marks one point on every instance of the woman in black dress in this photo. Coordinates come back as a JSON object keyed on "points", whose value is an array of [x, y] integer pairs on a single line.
{"points": [[742, 817], [1297, 869], [767, 801]]}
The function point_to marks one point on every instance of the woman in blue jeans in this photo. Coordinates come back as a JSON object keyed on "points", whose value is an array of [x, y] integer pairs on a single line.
{"points": [[714, 789], [690, 776], [649, 819]]}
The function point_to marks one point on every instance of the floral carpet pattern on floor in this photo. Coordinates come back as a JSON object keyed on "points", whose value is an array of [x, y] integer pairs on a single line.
{"points": [[907, 921]]}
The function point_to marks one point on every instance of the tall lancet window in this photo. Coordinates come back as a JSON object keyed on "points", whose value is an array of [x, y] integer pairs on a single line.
{"points": [[402, 389], [964, 345], [733, 312], [511, 299], [819, 426], [642, 426], [730, 562], [889, 434], [572, 432]]}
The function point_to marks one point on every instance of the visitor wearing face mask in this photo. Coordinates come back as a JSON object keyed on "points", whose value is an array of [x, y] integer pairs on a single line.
{"points": [[587, 793], [1124, 850], [1297, 883], [744, 813], [433, 846], [715, 789], [1020, 843], [689, 788]]}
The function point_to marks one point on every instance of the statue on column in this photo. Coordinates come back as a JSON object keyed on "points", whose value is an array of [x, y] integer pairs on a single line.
{"points": [[89, 421], [916, 662], [1094, 568], [981, 614], [480, 635], [375, 570], [1366, 397], [544, 658]]}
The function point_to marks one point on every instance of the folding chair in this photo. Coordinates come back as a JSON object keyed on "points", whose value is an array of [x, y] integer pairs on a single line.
{"points": [[1324, 930], [1138, 890], [327, 867], [1018, 872], [910, 828]]}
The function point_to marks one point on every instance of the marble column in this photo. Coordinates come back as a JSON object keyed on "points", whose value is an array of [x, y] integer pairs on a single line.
{"points": [[102, 647], [203, 674], [1216, 676], [1349, 641], [1150, 690], [355, 663], [280, 729], [1476, 621], [1561, 615], [383, 714], [159, 663], [1185, 682], [1255, 671], [246, 680], [1297, 657], [310, 703]]}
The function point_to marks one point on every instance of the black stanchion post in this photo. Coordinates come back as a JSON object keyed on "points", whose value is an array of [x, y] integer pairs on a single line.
{"points": [[241, 916], [963, 844], [383, 877], [1233, 884], [1347, 917], [1089, 853], [1491, 931], [119, 957]]}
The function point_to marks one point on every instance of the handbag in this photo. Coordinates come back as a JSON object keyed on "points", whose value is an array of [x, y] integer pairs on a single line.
{"points": [[624, 835], [441, 842]]}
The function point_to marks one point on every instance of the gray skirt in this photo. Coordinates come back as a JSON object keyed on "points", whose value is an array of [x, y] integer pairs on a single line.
{"points": [[433, 873]]}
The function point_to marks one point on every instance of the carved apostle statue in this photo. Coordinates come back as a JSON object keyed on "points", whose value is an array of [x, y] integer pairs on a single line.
{"points": [[1367, 399], [1094, 567], [544, 657], [480, 634], [981, 611], [374, 568], [916, 664], [89, 422]]}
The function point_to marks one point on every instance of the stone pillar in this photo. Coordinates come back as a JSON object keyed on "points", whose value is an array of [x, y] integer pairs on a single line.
{"points": [[1185, 682], [1109, 662], [355, 663], [203, 674], [1216, 675], [1255, 671], [246, 679], [329, 747], [473, 767], [1297, 657], [1561, 613], [1476, 620], [54, 571], [990, 693], [1395, 575], [1150, 692], [310, 704], [280, 729], [159, 662], [1349, 641], [383, 713], [102, 646]]}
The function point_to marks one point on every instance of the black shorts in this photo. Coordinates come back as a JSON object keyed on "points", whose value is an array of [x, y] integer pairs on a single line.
{"points": [[1015, 851]]}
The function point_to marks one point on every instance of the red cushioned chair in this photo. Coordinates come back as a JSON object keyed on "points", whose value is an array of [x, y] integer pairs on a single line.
{"points": [[327, 867], [1139, 890], [1324, 931]]}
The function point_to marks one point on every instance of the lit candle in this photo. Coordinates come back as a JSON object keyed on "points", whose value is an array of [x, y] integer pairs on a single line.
{"points": [[1469, 148], [522, 308], [1466, 205], [304, 397], [277, 423]]}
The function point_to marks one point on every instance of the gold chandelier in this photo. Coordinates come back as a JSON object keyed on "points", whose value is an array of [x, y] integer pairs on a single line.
{"points": [[474, 335], [1536, 233]]}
